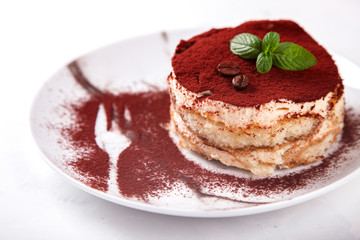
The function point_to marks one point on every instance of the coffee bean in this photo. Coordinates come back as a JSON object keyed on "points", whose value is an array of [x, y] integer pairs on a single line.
{"points": [[228, 68], [240, 82]]}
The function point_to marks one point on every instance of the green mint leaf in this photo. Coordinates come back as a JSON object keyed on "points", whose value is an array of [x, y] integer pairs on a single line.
{"points": [[270, 42], [290, 56], [246, 45], [263, 62]]}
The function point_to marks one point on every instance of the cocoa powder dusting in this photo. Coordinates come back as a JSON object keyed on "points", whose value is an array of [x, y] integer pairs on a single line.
{"points": [[91, 162], [203, 53], [152, 163]]}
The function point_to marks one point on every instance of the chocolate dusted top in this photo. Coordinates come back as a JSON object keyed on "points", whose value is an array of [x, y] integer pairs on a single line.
{"points": [[195, 62]]}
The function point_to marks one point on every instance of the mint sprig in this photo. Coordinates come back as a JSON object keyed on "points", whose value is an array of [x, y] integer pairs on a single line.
{"points": [[246, 45], [269, 51], [270, 42], [263, 62], [290, 56]]}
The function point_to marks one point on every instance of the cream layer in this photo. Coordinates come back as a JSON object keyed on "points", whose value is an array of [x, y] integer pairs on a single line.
{"points": [[262, 161], [265, 116]]}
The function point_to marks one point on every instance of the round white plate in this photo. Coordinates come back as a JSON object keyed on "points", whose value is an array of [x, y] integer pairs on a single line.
{"points": [[135, 65]]}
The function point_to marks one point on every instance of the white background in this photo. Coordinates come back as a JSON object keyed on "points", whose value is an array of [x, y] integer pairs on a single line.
{"points": [[38, 37]]}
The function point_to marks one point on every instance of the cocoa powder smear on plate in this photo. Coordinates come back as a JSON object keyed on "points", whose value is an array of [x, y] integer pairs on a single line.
{"points": [[153, 163]]}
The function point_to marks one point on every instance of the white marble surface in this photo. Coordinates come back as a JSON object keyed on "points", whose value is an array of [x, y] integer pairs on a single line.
{"points": [[38, 37]]}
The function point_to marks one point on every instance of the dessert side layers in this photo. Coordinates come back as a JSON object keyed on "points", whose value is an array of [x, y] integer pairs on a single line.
{"points": [[281, 119]]}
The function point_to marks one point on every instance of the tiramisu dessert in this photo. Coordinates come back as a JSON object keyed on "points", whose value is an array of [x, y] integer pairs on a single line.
{"points": [[260, 96]]}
